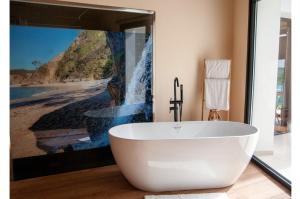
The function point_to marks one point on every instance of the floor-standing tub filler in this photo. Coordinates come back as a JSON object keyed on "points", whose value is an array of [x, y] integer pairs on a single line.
{"points": [[165, 156]]}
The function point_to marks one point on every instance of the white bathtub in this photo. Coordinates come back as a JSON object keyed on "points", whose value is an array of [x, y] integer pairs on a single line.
{"points": [[179, 156]]}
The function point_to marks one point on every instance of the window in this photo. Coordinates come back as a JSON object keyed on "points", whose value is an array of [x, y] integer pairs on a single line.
{"points": [[269, 85]]}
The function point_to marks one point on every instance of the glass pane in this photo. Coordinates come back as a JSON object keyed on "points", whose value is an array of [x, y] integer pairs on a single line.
{"points": [[272, 85]]}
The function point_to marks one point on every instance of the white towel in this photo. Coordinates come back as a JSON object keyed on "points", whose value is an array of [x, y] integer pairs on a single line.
{"points": [[190, 196], [217, 94], [217, 68]]}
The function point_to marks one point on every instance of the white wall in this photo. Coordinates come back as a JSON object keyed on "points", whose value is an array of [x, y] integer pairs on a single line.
{"points": [[265, 78]]}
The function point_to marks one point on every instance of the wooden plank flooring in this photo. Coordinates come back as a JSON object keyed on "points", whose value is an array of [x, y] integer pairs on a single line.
{"points": [[108, 183]]}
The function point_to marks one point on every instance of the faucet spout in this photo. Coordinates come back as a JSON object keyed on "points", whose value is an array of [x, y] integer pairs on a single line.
{"points": [[176, 84]]}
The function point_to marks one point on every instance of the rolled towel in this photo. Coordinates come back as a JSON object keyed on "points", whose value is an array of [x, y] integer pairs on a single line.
{"points": [[217, 94], [217, 68]]}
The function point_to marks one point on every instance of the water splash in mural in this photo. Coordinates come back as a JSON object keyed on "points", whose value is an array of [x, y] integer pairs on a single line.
{"points": [[140, 84], [136, 91]]}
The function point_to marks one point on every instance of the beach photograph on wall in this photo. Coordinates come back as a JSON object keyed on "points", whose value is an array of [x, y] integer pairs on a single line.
{"points": [[68, 87]]}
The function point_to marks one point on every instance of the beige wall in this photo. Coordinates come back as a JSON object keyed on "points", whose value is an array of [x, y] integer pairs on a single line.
{"points": [[239, 60], [187, 32]]}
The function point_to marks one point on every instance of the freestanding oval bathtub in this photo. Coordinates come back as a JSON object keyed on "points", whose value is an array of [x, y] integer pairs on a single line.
{"points": [[166, 156]]}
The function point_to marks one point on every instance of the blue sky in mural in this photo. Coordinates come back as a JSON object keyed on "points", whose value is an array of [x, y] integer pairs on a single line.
{"points": [[28, 44]]}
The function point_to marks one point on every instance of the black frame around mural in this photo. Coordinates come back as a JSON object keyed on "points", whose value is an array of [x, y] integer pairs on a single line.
{"points": [[42, 165], [253, 7]]}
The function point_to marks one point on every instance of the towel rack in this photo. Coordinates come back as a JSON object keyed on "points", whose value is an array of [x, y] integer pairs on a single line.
{"points": [[213, 114]]}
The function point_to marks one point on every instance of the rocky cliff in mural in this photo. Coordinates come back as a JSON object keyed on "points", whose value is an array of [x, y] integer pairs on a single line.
{"points": [[87, 58], [116, 87], [44, 74]]}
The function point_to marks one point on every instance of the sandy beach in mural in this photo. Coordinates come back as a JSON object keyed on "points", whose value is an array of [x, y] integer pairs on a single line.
{"points": [[25, 112], [52, 85]]}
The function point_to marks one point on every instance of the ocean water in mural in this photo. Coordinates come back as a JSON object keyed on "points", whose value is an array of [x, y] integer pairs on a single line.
{"points": [[26, 92], [69, 86]]}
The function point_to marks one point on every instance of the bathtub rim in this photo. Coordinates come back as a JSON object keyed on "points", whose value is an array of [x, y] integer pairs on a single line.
{"points": [[255, 133]]}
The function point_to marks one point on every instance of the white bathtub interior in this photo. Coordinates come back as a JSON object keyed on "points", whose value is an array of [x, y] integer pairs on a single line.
{"points": [[181, 130]]}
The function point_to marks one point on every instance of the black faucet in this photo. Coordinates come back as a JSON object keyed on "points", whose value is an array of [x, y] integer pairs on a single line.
{"points": [[177, 104]]}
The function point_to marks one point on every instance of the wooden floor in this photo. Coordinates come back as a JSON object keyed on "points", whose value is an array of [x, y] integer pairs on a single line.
{"points": [[108, 183]]}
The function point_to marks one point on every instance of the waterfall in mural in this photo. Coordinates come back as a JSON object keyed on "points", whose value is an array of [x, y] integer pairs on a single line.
{"points": [[140, 83], [136, 91], [135, 107]]}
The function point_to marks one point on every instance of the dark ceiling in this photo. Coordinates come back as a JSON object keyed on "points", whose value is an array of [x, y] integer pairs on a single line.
{"points": [[35, 14]]}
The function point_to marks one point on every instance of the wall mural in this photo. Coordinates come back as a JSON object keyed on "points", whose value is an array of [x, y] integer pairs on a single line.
{"points": [[69, 86]]}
